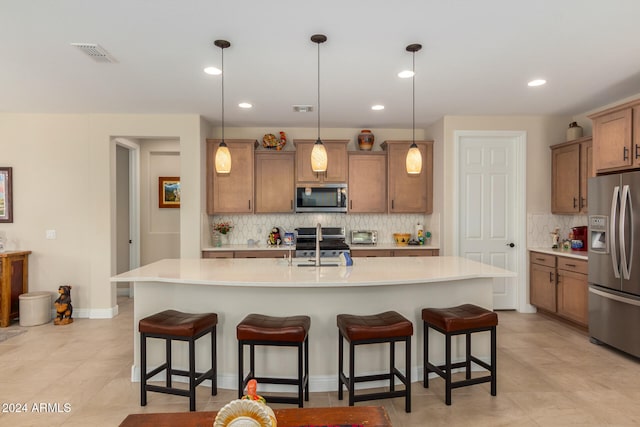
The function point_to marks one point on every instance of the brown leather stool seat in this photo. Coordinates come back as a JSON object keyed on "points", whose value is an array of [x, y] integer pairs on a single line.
{"points": [[172, 325], [464, 319], [388, 327], [292, 331]]}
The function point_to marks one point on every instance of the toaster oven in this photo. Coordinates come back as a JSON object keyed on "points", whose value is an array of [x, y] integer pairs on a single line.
{"points": [[364, 237]]}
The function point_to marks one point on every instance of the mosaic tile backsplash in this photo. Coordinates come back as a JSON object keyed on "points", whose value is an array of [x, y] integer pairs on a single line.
{"points": [[540, 227], [257, 227]]}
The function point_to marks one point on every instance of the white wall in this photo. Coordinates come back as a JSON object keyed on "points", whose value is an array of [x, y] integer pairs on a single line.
{"points": [[64, 174]]}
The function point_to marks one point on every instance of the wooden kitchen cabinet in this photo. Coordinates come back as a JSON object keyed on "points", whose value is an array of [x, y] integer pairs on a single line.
{"points": [[542, 281], [265, 253], [369, 253], [571, 166], [14, 281], [231, 192], [616, 138], [409, 193], [217, 254], [573, 290], [274, 182], [337, 164], [367, 182], [372, 252], [559, 285]]}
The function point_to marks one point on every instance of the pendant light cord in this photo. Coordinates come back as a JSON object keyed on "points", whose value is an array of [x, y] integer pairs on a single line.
{"points": [[318, 91], [222, 94], [414, 97]]}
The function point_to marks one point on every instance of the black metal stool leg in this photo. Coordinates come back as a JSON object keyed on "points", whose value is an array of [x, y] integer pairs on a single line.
{"points": [[340, 365], [392, 365], [408, 375], [468, 356], [214, 364], [306, 368], [352, 350], [169, 364], [448, 369], [143, 369], [425, 355], [192, 375], [493, 362], [300, 374], [240, 368]]}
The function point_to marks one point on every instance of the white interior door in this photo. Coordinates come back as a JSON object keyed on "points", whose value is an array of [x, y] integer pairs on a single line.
{"points": [[488, 206]]}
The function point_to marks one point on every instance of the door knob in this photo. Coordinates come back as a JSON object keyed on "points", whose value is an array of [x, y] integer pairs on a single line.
{"points": [[511, 245]]}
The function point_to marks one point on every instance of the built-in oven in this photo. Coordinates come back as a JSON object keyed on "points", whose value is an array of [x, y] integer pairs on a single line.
{"points": [[321, 198]]}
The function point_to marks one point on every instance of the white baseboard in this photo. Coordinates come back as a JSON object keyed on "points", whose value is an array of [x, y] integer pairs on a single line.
{"points": [[88, 313]]}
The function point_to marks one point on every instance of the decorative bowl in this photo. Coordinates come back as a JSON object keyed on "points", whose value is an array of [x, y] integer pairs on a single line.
{"points": [[401, 239], [243, 413], [270, 141]]}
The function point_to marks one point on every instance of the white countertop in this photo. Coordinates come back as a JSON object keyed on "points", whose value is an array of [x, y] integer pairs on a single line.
{"points": [[560, 252], [265, 247], [270, 272]]}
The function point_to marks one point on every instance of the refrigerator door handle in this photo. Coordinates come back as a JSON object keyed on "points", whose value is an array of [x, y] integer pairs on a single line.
{"points": [[614, 297], [612, 231], [626, 261]]}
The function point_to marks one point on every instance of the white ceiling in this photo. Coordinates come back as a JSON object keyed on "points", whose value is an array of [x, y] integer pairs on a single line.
{"points": [[476, 59]]}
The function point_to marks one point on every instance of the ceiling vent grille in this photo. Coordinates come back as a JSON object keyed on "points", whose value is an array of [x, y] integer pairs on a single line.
{"points": [[303, 108], [95, 52]]}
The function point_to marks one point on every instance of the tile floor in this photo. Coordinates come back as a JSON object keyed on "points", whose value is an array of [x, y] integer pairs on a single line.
{"points": [[549, 375]]}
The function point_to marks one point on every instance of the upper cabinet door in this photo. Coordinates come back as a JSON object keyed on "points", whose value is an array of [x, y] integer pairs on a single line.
{"points": [[612, 144], [565, 179], [337, 170], [274, 182], [231, 192], [367, 182], [409, 193]]}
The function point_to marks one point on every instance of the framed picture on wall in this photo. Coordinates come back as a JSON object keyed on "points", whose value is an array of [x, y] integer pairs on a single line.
{"points": [[169, 191], [6, 195]]}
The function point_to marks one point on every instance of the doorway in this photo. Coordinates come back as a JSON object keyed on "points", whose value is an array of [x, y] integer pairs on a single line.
{"points": [[491, 213], [127, 210]]}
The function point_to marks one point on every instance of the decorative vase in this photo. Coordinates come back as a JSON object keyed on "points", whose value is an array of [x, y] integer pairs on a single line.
{"points": [[365, 140], [574, 131], [216, 239]]}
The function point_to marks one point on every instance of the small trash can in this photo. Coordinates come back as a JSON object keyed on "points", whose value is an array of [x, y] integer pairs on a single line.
{"points": [[35, 308]]}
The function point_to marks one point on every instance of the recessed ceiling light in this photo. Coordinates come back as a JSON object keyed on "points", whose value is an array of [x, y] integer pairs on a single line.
{"points": [[405, 74], [377, 107], [213, 71], [536, 82], [245, 105]]}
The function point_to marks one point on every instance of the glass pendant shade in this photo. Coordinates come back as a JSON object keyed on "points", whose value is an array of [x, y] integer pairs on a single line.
{"points": [[319, 157], [223, 159], [414, 160]]}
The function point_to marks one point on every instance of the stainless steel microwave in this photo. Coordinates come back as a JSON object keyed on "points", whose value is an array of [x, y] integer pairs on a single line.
{"points": [[321, 198]]}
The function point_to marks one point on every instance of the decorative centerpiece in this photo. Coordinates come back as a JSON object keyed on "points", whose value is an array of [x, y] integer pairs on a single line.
{"points": [[274, 238], [574, 131], [250, 411], [365, 140], [270, 141], [221, 232]]}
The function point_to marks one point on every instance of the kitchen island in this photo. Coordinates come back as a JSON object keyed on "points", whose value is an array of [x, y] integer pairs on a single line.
{"points": [[234, 288]]}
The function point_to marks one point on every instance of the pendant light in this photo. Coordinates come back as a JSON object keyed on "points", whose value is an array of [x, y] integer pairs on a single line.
{"points": [[223, 155], [414, 157], [319, 152]]}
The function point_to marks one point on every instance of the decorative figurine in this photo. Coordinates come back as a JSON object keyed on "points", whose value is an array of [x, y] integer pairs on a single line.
{"points": [[64, 310], [274, 237], [252, 394], [555, 237]]}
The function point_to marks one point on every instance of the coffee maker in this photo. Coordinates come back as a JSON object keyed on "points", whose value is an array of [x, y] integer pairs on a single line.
{"points": [[579, 242]]}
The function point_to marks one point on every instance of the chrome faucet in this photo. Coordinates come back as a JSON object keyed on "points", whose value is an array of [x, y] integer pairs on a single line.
{"points": [[318, 240]]}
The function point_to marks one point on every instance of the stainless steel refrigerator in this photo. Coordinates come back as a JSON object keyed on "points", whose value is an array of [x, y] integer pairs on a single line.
{"points": [[614, 261]]}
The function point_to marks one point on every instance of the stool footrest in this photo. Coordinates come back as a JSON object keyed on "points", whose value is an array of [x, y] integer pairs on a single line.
{"points": [[156, 371], [381, 395], [472, 381], [268, 380], [482, 363], [168, 390]]}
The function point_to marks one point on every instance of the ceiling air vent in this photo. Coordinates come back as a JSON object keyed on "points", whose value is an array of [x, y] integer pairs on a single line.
{"points": [[95, 52], [303, 108]]}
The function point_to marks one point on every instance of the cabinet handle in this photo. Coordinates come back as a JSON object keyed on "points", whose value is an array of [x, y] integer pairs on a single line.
{"points": [[574, 203], [571, 265], [350, 204], [539, 259], [550, 277], [625, 153], [291, 204], [249, 204], [392, 204], [637, 151], [583, 202]]}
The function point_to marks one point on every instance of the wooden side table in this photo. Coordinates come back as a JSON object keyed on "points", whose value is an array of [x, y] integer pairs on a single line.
{"points": [[14, 280]]}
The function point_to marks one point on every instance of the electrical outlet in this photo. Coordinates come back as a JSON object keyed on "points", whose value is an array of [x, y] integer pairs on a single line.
{"points": [[51, 234]]}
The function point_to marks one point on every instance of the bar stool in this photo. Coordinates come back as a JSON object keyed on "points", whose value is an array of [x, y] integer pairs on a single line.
{"points": [[388, 327], [171, 325], [464, 319], [292, 331]]}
